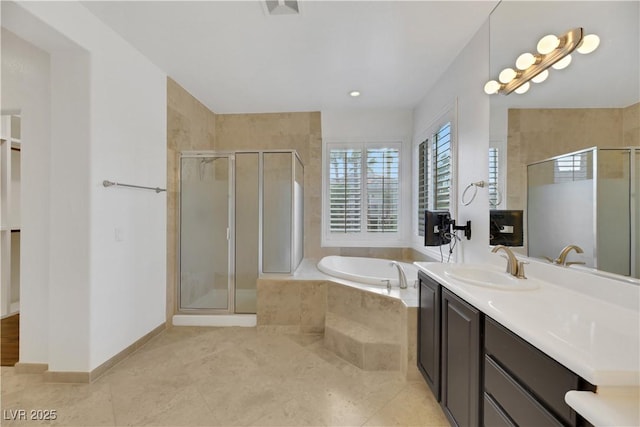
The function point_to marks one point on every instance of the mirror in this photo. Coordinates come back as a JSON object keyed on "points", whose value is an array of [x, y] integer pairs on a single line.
{"points": [[594, 102]]}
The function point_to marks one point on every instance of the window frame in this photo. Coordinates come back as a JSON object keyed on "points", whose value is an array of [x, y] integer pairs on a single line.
{"points": [[448, 115], [364, 238]]}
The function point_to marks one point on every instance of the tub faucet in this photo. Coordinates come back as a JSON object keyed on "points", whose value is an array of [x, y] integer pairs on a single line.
{"points": [[401, 276], [515, 268]]}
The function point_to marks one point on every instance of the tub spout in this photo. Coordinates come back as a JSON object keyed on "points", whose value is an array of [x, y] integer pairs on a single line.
{"points": [[401, 276]]}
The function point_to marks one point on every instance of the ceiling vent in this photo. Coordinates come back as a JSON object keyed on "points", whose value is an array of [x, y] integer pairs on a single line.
{"points": [[282, 7]]}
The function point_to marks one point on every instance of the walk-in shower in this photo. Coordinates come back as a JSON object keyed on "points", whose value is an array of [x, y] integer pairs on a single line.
{"points": [[241, 215]]}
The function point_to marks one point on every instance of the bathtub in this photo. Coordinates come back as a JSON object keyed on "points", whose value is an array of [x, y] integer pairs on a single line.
{"points": [[372, 271]]}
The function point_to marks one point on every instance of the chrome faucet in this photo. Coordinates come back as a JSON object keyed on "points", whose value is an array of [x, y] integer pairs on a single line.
{"points": [[514, 267], [562, 258], [401, 276]]}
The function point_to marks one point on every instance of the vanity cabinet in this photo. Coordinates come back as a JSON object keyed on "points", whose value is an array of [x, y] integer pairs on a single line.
{"points": [[449, 351], [429, 332], [523, 385], [461, 356], [485, 375]]}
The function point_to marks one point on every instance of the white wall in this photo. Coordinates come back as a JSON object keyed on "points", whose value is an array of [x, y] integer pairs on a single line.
{"points": [[26, 89], [462, 85], [109, 292], [376, 126]]}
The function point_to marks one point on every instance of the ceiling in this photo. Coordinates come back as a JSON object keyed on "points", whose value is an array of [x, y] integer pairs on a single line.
{"points": [[236, 58]]}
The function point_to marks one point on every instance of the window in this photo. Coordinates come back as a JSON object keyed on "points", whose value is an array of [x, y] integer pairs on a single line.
{"points": [[363, 190], [434, 173], [571, 168], [345, 190]]}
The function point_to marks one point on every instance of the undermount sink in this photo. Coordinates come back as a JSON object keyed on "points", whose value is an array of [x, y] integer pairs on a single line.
{"points": [[488, 278]]}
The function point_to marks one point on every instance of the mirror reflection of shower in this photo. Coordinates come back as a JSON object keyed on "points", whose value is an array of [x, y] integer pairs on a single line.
{"points": [[203, 162]]}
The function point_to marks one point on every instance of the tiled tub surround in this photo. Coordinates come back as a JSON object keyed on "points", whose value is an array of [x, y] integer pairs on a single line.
{"points": [[589, 324], [369, 326]]}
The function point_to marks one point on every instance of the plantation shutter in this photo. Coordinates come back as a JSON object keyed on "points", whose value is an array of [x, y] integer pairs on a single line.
{"points": [[345, 192], [442, 168], [382, 190], [423, 174], [571, 168], [493, 178]]}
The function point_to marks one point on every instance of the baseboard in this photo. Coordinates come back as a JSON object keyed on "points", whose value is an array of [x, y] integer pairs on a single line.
{"points": [[100, 370], [88, 377], [67, 377], [31, 368]]}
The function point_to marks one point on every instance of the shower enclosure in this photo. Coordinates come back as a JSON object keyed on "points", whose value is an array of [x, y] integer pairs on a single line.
{"points": [[241, 215], [588, 198]]}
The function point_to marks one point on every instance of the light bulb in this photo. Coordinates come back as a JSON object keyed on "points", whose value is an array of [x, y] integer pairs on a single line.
{"points": [[541, 77], [522, 89], [547, 44], [588, 44], [525, 61], [354, 93], [563, 63], [507, 75], [491, 87]]}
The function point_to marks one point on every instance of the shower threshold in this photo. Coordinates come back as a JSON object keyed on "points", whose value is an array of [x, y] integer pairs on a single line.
{"points": [[245, 320]]}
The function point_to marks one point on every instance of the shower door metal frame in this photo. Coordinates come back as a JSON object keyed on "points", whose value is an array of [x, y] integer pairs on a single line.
{"points": [[230, 235]]}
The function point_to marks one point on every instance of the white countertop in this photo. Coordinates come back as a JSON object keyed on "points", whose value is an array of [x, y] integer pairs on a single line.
{"points": [[617, 406], [598, 338]]}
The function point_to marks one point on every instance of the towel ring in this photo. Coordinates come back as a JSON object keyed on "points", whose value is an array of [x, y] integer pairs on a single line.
{"points": [[475, 186]]}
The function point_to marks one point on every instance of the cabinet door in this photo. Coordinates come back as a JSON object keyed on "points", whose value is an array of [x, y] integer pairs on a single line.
{"points": [[429, 333], [460, 361]]}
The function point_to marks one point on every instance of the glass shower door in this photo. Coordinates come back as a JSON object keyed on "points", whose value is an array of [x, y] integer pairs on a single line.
{"points": [[205, 195]]}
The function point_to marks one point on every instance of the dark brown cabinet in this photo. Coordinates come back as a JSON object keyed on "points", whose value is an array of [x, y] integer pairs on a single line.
{"points": [[485, 375], [526, 386], [429, 332], [461, 356]]}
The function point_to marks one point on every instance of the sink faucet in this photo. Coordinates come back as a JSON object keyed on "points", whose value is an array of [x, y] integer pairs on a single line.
{"points": [[401, 276], [562, 258], [514, 267]]}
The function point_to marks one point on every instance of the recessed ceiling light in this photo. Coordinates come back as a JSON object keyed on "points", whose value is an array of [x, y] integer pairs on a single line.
{"points": [[354, 93]]}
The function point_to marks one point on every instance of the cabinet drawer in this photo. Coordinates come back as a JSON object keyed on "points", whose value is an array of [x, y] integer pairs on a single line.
{"points": [[493, 415], [545, 378], [522, 408]]}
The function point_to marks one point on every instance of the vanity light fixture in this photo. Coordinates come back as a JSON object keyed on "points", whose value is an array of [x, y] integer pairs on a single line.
{"points": [[552, 51]]}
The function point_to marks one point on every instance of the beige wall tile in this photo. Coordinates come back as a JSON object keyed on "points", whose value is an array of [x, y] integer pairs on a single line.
{"points": [[411, 329], [278, 302], [345, 347], [381, 357], [190, 126], [344, 301], [313, 306], [631, 125]]}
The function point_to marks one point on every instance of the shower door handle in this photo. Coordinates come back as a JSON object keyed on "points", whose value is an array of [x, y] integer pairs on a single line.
{"points": [[228, 233]]}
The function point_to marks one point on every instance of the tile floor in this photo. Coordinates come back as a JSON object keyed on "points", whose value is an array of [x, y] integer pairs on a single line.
{"points": [[227, 377]]}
